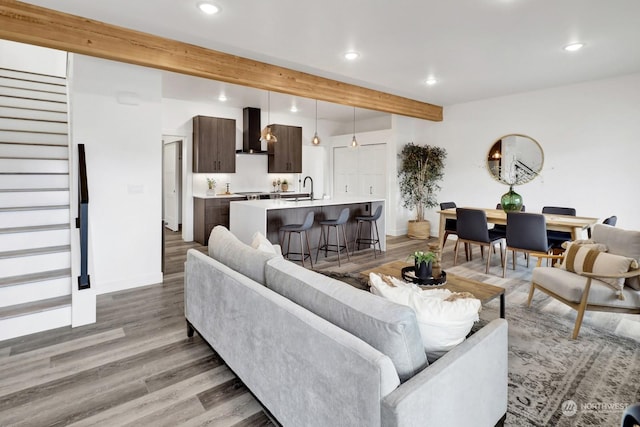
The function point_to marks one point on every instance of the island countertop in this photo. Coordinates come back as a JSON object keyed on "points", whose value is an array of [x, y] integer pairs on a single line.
{"points": [[266, 216]]}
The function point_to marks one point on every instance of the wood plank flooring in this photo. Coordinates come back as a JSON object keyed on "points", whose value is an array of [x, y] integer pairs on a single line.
{"points": [[136, 366]]}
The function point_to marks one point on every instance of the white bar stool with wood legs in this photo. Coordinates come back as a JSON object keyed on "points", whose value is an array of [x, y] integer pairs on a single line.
{"points": [[337, 223], [298, 228]]}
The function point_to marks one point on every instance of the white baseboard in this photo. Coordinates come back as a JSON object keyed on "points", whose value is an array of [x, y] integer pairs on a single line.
{"points": [[130, 283]]}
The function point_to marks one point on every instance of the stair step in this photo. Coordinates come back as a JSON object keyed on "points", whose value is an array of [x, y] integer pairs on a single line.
{"points": [[34, 228], [35, 277], [31, 198], [34, 165], [32, 114], [35, 238], [33, 208], [34, 95], [31, 138], [30, 190], [33, 126], [33, 104], [31, 84], [34, 291], [30, 320], [27, 181], [27, 151], [34, 263], [34, 217], [37, 77], [35, 251]]}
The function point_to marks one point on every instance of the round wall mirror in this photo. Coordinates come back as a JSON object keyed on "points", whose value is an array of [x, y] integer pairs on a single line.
{"points": [[515, 159]]}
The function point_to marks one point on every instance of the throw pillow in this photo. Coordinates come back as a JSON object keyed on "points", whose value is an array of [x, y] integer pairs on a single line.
{"points": [[589, 259], [444, 317], [262, 243]]}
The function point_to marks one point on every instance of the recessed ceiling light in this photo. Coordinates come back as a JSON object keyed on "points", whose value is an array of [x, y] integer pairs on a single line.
{"points": [[208, 8], [431, 81], [294, 109], [222, 98], [573, 47], [351, 55]]}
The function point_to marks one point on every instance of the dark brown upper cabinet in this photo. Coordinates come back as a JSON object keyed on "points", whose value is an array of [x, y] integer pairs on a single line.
{"points": [[285, 156], [214, 145]]}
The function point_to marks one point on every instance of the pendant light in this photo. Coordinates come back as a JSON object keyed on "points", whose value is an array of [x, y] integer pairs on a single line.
{"points": [[266, 134], [354, 142], [316, 139]]}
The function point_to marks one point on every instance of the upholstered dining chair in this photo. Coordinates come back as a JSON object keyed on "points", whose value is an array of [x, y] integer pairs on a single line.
{"points": [[557, 238], [450, 226], [502, 228], [472, 229], [583, 287], [612, 221], [526, 232]]}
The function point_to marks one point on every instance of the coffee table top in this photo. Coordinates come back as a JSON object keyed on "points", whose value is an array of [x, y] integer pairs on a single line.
{"points": [[482, 291]]}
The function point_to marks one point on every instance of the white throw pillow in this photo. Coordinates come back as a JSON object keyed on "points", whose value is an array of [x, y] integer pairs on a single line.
{"points": [[444, 318], [262, 243]]}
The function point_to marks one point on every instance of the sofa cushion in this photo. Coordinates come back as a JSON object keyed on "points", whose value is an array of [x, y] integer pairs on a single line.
{"points": [[388, 327], [227, 249], [570, 286], [620, 242], [445, 318]]}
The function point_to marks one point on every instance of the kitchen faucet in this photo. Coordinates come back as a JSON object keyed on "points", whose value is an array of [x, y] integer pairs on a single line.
{"points": [[304, 185]]}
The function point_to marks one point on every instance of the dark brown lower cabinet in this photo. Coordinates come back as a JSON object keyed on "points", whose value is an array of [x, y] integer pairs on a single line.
{"points": [[207, 213]]}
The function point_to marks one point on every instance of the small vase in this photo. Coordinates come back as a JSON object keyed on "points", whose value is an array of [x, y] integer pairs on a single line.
{"points": [[423, 270], [511, 201]]}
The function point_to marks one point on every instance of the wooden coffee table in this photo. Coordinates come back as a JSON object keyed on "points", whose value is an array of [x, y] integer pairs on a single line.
{"points": [[482, 291]]}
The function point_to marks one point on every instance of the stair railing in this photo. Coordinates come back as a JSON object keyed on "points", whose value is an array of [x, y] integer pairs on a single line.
{"points": [[82, 221]]}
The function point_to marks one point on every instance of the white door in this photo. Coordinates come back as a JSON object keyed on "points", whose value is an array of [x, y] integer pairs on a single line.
{"points": [[171, 185], [345, 171]]}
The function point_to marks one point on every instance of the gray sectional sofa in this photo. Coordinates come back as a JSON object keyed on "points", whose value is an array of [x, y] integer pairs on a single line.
{"points": [[318, 352]]}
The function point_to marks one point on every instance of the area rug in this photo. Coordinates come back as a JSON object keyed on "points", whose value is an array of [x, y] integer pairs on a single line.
{"points": [[553, 380]]}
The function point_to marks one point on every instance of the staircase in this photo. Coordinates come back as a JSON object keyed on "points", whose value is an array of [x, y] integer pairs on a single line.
{"points": [[35, 257]]}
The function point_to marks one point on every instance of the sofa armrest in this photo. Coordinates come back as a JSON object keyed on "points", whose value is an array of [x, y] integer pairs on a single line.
{"points": [[465, 387]]}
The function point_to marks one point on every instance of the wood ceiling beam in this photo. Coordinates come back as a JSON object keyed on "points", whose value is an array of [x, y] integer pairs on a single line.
{"points": [[31, 24]]}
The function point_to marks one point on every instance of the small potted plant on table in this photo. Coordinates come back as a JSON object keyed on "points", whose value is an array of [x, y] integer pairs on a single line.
{"points": [[422, 261]]}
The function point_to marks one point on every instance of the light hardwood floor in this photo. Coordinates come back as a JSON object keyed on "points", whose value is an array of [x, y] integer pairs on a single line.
{"points": [[135, 366]]}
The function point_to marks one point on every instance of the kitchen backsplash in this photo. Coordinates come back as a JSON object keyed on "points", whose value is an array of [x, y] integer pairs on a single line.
{"points": [[250, 175]]}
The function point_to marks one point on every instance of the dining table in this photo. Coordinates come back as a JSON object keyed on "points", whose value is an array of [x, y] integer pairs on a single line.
{"points": [[567, 223]]}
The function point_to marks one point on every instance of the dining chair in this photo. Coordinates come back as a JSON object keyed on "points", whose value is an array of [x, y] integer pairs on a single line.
{"points": [[472, 229], [526, 232], [450, 226], [502, 228], [557, 238], [612, 220]]}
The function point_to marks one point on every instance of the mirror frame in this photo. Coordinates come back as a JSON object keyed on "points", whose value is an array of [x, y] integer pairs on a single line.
{"points": [[518, 180]]}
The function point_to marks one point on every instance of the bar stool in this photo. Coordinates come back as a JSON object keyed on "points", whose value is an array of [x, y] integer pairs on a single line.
{"points": [[337, 223], [373, 225], [298, 228]]}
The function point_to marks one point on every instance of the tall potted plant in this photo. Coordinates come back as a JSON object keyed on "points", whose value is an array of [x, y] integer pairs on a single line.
{"points": [[421, 169]]}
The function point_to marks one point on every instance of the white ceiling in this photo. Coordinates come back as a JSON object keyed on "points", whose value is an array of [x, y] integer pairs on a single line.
{"points": [[476, 49]]}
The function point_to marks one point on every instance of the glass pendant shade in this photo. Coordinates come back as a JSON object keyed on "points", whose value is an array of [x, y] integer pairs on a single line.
{"points": [[316, 139], [354, 141], [266, 134]]}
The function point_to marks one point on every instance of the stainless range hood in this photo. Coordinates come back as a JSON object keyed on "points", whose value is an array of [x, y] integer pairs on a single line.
{"points": [[251, 143]]}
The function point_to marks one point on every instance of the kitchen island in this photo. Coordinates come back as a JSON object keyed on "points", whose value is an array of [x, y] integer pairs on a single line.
{"points": [[267, 216]]}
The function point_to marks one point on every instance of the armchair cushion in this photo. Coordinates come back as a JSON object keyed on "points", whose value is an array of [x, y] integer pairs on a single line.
{"points": [[620, 242], [570, 286], [591, 259]]}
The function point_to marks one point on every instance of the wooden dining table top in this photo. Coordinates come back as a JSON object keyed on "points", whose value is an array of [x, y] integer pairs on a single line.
{"points": [[556, 222]]}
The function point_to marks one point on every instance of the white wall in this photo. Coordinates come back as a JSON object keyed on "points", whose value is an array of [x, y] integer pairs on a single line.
{"points": [[123, 146], [590, 134], [35, 59]]}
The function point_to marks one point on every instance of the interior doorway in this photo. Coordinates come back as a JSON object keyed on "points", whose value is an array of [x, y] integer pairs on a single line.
{"points": [[172, 184]]}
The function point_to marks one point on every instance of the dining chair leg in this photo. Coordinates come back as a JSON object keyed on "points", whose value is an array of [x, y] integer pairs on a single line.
{"points": [[488, 258], [455, 255]]}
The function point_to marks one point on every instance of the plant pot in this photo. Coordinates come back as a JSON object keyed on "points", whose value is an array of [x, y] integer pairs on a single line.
{"points": [[284, 187], [423, 270], [419, 229]]}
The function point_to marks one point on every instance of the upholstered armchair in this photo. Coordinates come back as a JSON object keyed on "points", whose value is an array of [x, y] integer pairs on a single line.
{"points": [[591, 279]]}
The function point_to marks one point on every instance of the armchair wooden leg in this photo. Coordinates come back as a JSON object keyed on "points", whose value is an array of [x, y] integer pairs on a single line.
{"points": [[581, 309], [530, 294]]}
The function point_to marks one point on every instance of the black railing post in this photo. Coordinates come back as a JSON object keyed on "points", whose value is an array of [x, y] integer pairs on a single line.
{"points": [[82, 221]]}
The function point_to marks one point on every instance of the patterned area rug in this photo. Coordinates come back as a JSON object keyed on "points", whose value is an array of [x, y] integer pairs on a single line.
{"points": [[553, 380]]}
